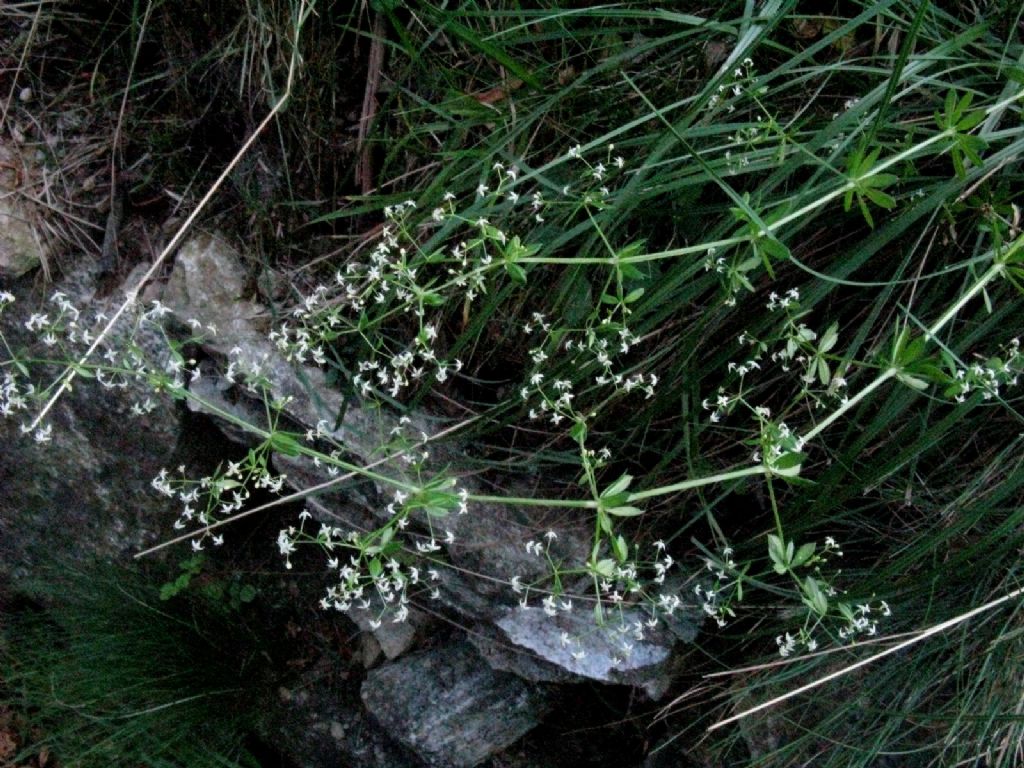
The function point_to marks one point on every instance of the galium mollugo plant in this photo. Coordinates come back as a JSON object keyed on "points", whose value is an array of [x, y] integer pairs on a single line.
{"points": [[390, 309]]}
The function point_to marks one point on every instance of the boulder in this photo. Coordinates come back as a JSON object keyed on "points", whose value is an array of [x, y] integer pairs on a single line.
{"points": [[86, 493], [318, 721], [487, 546], [22, 247], [450, 707], [570, 646]]}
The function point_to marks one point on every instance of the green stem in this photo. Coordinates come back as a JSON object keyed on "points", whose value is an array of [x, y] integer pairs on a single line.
{"points": [[818, 202], [308, 452], [990, 273], [532, 502], [687, 485], [775, 509], [883, 377]]}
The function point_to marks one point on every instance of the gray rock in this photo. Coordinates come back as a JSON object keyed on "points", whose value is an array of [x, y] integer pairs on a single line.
{"points": [[451, 708], [318, 722], [622, 651], [207, 285], [393, 638], [85, 494], [22, 247]]}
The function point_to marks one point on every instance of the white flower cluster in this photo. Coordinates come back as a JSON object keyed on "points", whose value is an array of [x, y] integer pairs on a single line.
{"points": [[216, 496], [861, 620], [991, 377], [733, 85], [591, 351], [401, 279], [619, 586], [375, 572], [12, 398], [717, 598]]}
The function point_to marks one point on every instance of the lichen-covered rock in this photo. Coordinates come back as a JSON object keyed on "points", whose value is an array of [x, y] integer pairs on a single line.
{"points": [[86, 493], [450, 707], [623, 650], [22, 247], [207, 285]]}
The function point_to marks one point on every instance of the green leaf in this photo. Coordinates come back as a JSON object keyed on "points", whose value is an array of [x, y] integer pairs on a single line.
{"points": [[844, 608], [878, 181], [633, 295], [829, 339], [950, 106], [625, 511], [517, 273], [824, 375], [515, 249], [775, 248], [630, 271], [620, 485], [864, 211], [283, 443], [777, 553], [971, 120], [789, 460], [620, 548], [805, 553], [375, 568], [84, 372], [880, 198], [814, 597], [432, 299], [912, 381]]}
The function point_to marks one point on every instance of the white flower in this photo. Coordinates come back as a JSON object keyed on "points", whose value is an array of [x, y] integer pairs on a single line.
{"points": [[285, 543]]}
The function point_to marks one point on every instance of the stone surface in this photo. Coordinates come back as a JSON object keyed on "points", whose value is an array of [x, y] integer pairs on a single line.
{"points": [[489, 542], [85, 494], [622, 651], [21, 245], [207, 285], [450, 707], [319, 722], [393, 638]]}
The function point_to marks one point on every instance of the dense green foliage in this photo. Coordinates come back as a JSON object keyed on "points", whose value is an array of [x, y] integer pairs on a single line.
{"points": [[113, 675], [802, 228]]}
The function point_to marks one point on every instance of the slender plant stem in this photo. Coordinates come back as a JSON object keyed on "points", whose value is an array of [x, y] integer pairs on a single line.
{"points": [[687, 485], [924, 635]]}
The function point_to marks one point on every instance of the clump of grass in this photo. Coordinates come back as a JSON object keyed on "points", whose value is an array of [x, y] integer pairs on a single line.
{"points": [[109, 673]]}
